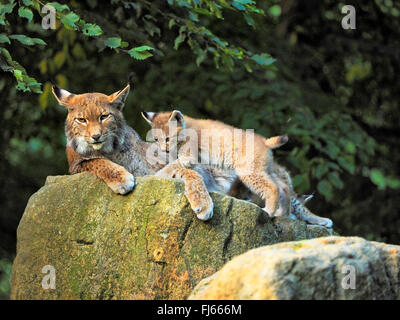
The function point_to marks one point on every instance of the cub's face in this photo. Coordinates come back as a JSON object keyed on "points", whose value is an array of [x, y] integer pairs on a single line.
{"points": [[166, 129], [94, 119]]}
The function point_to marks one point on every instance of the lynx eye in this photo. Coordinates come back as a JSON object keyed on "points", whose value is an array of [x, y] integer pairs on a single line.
{"points": [[104, 117], [81, 120]]}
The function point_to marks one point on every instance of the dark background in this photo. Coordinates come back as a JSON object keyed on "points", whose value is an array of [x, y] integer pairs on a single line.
{"points": [[335, 92]]}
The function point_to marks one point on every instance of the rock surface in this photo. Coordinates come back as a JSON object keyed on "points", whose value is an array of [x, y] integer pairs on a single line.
{"points": [[312, 269], [145, 245]]}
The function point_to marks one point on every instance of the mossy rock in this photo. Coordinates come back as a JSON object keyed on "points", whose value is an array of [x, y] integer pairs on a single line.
{"points": [[144, 245]]}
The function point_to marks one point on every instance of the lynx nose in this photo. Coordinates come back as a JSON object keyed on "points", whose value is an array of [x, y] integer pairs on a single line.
{"points": [[96, 137]]}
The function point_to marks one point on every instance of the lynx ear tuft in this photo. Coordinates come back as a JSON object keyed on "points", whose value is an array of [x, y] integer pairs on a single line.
{"points": [[62, 95], [304, 198], [177, 116], [117, 99], [149, 116]]}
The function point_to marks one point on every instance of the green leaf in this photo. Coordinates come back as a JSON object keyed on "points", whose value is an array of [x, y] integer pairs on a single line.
{"points": [[378, 178], [249, 20], [179, 39], [393, 183], [321, 170], [238, 6], [275, 10], [28, 2], [69, 20], [26, 13], [18, 75], [59, 59], [325, 188], [27, 40], [350, 147], [301, 183], [193, 16], [171, 23], [223, 44], [202, 11], [113, 42], [347, 164], [4, 38], [245, 1], [263, 59], [141, 53], [6, 8], [91, 30], [335, 180], [59, 7], [143, 48]]}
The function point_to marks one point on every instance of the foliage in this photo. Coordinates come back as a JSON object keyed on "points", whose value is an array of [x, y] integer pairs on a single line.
{"points": [[201, 39], [5, 275]]}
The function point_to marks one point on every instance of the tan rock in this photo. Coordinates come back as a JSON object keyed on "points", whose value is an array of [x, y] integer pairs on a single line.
{"points": [[311, 269]]}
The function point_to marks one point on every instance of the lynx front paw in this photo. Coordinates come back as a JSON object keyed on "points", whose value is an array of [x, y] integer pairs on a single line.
{"points": [[122, 185], [206, 213]]}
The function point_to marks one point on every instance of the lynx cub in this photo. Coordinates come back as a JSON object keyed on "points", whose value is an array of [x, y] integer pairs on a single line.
{"points": [[253, 168]]}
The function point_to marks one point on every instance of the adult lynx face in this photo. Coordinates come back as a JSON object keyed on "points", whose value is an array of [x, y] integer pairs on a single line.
{"points": [[94, 119]]}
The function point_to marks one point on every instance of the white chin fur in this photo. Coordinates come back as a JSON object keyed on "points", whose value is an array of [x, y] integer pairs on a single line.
{"points": [[97, 146]]}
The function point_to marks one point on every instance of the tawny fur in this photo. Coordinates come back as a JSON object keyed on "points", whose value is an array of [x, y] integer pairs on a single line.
{"points": [[122, 153], [226, 180], [253, 167], [99, 141]]}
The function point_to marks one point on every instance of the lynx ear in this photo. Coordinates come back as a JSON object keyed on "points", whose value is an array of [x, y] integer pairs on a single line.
{"points": [[62, 96], [177, 116], [117, 99], [304, 198], [149, 117]]}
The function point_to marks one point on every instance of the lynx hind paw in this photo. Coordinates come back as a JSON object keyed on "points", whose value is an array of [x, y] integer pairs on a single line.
{"points": [[325, 222], [125, 186]]}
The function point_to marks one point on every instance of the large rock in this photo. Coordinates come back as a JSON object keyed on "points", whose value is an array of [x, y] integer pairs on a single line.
{"points": [[145, 245], [312, 269]]}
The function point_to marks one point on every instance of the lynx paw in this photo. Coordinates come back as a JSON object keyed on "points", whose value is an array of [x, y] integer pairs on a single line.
{"points": [[202, 206], [272, 212], [272, 206], [325, 222], [206, 213], [123, 185]]}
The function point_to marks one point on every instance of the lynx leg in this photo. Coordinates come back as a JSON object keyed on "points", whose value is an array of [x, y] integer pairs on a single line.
{"points": [[195, 189], [263, 185], [197, 194], [117, 177], [284, 200], [306, 215]]}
